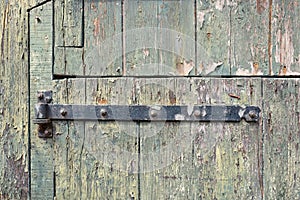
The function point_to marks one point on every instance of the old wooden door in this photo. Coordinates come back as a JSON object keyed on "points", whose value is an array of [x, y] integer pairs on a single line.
{"points": [[163, 52]]}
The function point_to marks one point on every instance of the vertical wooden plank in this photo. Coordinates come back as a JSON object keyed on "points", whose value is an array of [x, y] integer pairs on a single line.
{"points": [[14, 174], [213, 37], [103, 38], [75, 140], [111, 159], [281, 139], [40, 77], [176, 44], [159, 37], [96, 160], [140, 48], [249, 34], [68, 16], [163, 144], [61, 145], [285, 37], [225, 154]]}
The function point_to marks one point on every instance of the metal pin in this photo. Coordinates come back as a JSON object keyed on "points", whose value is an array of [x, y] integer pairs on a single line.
{"points": [[63, 112], [197, 113], [103, 112], [153, 113], [252, 114]]}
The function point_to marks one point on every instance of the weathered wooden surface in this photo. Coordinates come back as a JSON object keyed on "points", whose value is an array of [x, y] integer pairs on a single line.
{"points": [[281, 139], [158, 37], [41, 161], [96, 160], [14, 167], [239, 37], [201, 160], [88, 39]]}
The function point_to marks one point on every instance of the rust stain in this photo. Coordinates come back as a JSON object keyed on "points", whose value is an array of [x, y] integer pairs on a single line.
{"points": [[234, 96], [208, 35], [97, 26], [101, 101], [283, 70], [172, 97], [261, 6], [255, 68]]}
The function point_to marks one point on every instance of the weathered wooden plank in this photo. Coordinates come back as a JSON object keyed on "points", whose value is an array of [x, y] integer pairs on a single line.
{"points": [[40, 77], [75, 142], [249, 32], [281, 141], [96, 160], [60, 145], [209, 160], [159, 37], [139, 47], [163, 144], [225, 154], [103, 38], [112, 147], [68, 16], [285, 37], [213, 37]]}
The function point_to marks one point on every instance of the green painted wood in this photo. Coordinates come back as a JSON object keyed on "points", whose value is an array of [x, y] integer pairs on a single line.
{"points": [[285, 37], [249, 34], [99, 31], [158, 37], [232, 37], [103, 38], [163, 144], [14, 174], [281, 139], [208, 160], [40, 79], [213, 37], [113, 146], [68, 22], [61, 144], [279, 179], [96, 160]]}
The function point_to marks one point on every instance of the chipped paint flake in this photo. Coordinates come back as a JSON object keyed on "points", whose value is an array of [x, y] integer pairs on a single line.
{"points": [[220, 4]]}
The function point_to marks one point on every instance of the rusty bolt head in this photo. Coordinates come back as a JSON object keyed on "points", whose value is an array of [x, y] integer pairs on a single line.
{"points": [[48, 99], [252, 114], [47, 132], [153, 113], [40, 96], [103, 112], [63, 112], [197, 113]]}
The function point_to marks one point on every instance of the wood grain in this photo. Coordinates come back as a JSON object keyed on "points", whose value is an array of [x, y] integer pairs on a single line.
{"points": [[158, 36], [285, 37], [281, 139], [40, 79]]}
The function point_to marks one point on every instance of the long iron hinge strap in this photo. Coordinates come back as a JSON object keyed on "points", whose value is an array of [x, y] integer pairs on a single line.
{"points": [[201, 113]]}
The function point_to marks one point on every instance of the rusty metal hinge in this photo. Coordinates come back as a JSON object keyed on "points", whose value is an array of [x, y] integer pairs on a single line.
{"points": [[47, 112]]}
